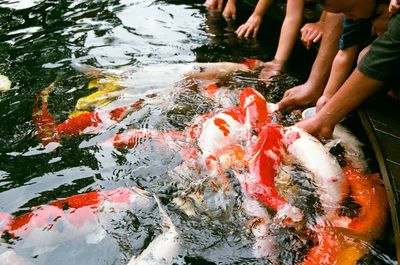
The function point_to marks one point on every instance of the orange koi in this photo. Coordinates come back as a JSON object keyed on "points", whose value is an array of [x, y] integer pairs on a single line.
{"points": [[343, 240], [46, 127], [49, 131], [369, 192]]}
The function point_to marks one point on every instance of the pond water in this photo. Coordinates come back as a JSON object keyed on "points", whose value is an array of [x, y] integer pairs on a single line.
{"points": [[39, 40]]}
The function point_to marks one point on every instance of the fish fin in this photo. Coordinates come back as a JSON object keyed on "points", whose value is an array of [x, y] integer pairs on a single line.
{"points": [[43, 249], [94, 71], [86, 69], [96, 237], [166, 222]]}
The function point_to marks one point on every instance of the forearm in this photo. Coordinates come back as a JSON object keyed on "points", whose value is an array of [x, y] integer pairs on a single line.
{"points": [[261, 7], [287, 39], [322, 18], [341, 69], [290, 29], [355, 90], [327, 51]]}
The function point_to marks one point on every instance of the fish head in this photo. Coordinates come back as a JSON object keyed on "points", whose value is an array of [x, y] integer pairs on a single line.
{"points": [[254, 106]]}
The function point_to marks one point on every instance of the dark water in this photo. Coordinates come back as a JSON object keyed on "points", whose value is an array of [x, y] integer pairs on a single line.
{"points": [[38, 42]]}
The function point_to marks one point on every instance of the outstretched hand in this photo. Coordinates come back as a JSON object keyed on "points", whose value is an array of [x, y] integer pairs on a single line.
{"points": [[252, 25], [311, 33], [229, 11], [271, 69], [214, 4], [322, 101], [301, 95], [315, 127]]}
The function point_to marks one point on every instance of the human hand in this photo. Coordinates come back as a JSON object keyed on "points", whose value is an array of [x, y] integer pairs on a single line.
{"points": [[311, 33], [270, 69], [316, 127], [322, 101], [301, 95], [229, 11], [251, 26], [214, 4], [394, 6]]}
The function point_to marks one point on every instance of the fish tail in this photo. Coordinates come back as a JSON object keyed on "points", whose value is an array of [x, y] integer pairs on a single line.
{"points": [[46, 127], [166, 221]]}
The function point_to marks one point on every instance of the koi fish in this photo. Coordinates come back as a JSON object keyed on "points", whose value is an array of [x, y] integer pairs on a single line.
{"points": [[78, 216], [106, 92], [46, 127], [327, 173], [133, 137], [246, 138], [171, 73], [344, 240], [352, 148], [49, 131], [165, 248]]}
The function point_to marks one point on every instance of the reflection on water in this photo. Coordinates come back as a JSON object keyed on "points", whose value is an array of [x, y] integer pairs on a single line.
{"points": [[39, 40]]}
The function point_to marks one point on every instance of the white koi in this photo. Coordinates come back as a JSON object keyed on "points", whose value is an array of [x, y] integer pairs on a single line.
{"points": [[315, 158], [165, 248]]}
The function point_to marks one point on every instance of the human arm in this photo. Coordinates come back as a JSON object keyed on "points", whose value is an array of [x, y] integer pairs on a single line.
{"points": [[312, 32], [309, 92], [230, 10], [252, 25], [289, 30], [355, 90], [214, 4], [341, 69]]}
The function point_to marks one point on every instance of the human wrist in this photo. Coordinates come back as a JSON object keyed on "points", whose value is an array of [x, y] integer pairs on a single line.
{"points": [[279, 64]]}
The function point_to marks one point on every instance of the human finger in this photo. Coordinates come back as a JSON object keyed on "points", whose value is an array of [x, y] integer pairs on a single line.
{"points": [[303, 35], [313, 35], [286, 102], [240, 31], [318, 37], [248, 32], [255, 32], [211, 4], [220, 4]]}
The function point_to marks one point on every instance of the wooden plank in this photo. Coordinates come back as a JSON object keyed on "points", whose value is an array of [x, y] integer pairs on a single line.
{"points": [[384, 114], [380, 140], [389, 144]]}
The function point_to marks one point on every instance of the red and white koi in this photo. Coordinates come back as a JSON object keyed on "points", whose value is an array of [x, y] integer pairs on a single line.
{"points": [[78, 216]]}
